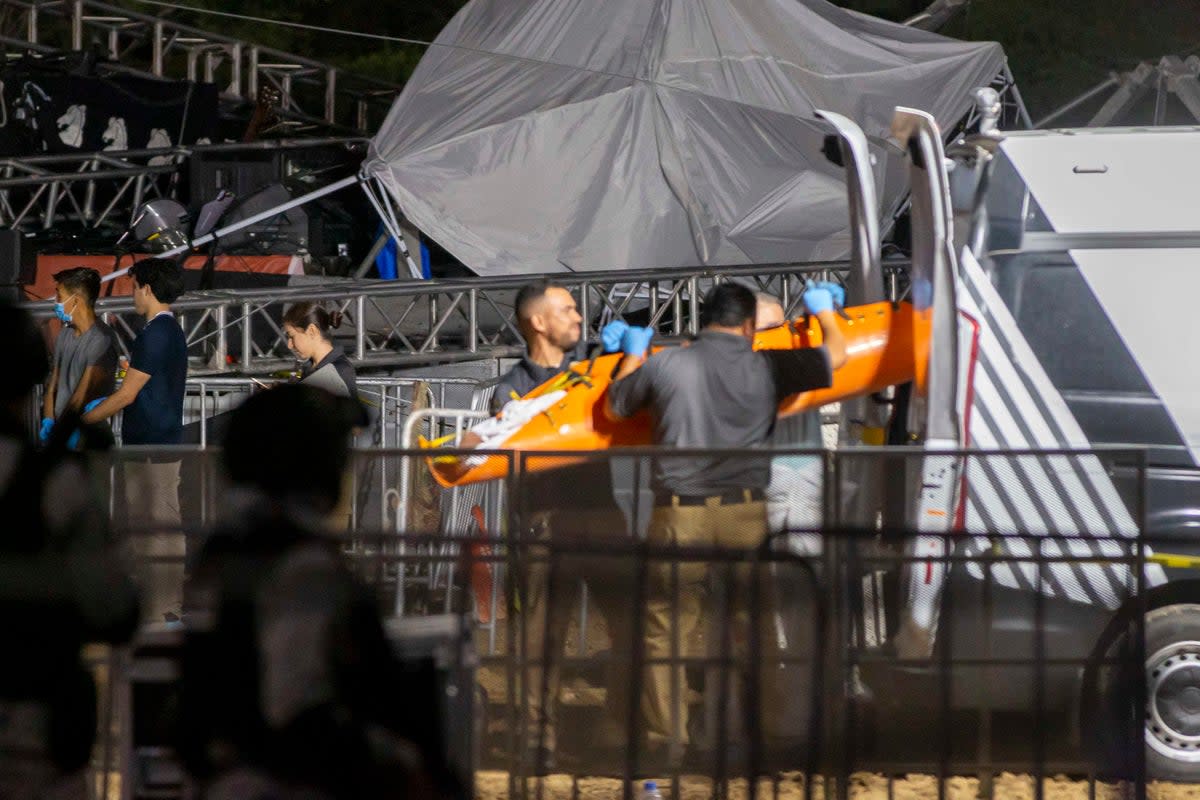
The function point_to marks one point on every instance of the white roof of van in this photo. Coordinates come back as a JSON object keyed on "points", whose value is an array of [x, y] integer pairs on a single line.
{"points": [[1106, 180]]}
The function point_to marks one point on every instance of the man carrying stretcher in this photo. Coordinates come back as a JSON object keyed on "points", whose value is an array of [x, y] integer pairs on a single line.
{"points": [[572, 502], [717, 392]]}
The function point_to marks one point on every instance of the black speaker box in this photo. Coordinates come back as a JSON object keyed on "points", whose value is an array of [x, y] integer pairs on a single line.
{"points": [[18, 263], [242, 173]]}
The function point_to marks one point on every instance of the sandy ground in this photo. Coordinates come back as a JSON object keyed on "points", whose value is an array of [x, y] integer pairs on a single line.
{"points": [[494, 786]]}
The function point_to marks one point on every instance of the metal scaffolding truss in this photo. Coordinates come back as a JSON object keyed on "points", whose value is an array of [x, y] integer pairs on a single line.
{"points": [[1170, 76], [410, 323], [104, 189], [313, 93]]}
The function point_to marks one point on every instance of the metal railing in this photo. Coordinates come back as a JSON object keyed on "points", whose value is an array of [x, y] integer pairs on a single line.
{"points": [[104, 190], [390, 400], [1003, 647], [386, 483], [313, 92], [784, 689], [394, 323]]}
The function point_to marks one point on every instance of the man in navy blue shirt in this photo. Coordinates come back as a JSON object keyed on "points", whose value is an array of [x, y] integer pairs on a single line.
{"points": [[152, 398]]}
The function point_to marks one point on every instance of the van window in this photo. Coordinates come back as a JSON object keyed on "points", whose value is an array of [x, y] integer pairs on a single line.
{"points": [[1064, 324]]}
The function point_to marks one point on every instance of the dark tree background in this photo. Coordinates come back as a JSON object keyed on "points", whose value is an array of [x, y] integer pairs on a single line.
{"points": [[1056, 48]]}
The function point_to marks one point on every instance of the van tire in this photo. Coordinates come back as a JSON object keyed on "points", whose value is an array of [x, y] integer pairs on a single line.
{"points": [[1169, 730], [1172, 677]]}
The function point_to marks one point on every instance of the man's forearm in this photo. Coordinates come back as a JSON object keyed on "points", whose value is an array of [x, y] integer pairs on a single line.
{"points": [[832, 338], [77, 398], [48, 397], [112, 404], [628, 365]]}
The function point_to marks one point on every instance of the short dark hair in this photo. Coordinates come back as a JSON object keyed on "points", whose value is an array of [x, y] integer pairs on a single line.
{"points": [[532, 292], [728, 305], [162, 275], [84, 280]]}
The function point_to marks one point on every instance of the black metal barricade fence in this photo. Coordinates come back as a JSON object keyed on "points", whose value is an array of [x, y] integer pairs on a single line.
{"points": [[866, 659]]}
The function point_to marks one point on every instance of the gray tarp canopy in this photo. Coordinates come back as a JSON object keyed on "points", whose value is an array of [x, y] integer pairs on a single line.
{"points": [[585, 135]]}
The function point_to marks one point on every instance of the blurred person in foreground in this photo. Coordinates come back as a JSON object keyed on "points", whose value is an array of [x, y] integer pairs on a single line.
{"points": [[61, 585], [151, 396], [84, 366], [289, 687]]}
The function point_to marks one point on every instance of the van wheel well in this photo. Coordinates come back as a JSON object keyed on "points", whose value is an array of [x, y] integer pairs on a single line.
{"points": [[1169, 594], [1104, 691]]}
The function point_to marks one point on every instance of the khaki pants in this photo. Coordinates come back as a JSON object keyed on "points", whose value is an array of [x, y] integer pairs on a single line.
{"points": [[681, 587], [152, 501], [552, 600]]}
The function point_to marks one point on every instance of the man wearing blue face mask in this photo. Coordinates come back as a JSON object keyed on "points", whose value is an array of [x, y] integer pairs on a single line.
{"points": [[85, 352]]}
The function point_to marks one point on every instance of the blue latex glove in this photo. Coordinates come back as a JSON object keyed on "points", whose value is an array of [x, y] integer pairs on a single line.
{"points": [[47, 426], [612, 334], [73, 442], [836, 290], [817, 299], [636, 341]]}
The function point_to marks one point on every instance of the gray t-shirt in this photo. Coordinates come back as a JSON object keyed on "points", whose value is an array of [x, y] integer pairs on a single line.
{"points": [[97, 346], [718, 392]]}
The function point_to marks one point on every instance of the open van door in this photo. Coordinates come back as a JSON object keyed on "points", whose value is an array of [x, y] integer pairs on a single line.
{"points": [[939, 391], [979, 385], [863, 419]]}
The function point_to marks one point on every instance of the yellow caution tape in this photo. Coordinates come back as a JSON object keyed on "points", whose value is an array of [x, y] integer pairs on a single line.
{"points": [[1175, 560], [428, 444]]}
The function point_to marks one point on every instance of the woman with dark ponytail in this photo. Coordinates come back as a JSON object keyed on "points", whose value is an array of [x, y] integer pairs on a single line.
{"points": [[308, 327]]}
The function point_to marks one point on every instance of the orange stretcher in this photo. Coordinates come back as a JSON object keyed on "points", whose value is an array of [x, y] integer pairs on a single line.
{"points": [[880, 352]]}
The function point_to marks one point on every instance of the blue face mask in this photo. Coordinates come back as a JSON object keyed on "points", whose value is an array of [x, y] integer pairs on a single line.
{"points": [[61, 313]]}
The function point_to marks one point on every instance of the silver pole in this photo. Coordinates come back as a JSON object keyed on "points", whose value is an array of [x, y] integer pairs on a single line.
{"points": [[247, 341], [364, 266], [203, 416], [1078, 101]]}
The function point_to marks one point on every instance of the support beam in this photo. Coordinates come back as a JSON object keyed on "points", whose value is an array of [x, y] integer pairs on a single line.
{"points": [[937, 14], [1133, 86]]}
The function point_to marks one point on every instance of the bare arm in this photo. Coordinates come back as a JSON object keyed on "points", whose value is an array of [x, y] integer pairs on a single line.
{"points": [[833, 339], [48, 397], [134, 381], [628, 365], [91, 376]]}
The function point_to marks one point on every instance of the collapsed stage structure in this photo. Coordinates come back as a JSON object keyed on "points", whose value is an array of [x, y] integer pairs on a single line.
{"points": [[562, 135]]}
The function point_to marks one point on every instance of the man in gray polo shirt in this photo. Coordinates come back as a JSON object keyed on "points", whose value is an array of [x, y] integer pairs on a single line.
{"points": [[85, 352], [718, 392]]}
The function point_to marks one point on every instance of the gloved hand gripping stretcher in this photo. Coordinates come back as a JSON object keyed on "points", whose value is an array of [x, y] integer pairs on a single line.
{"points": [[567, 411]]}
